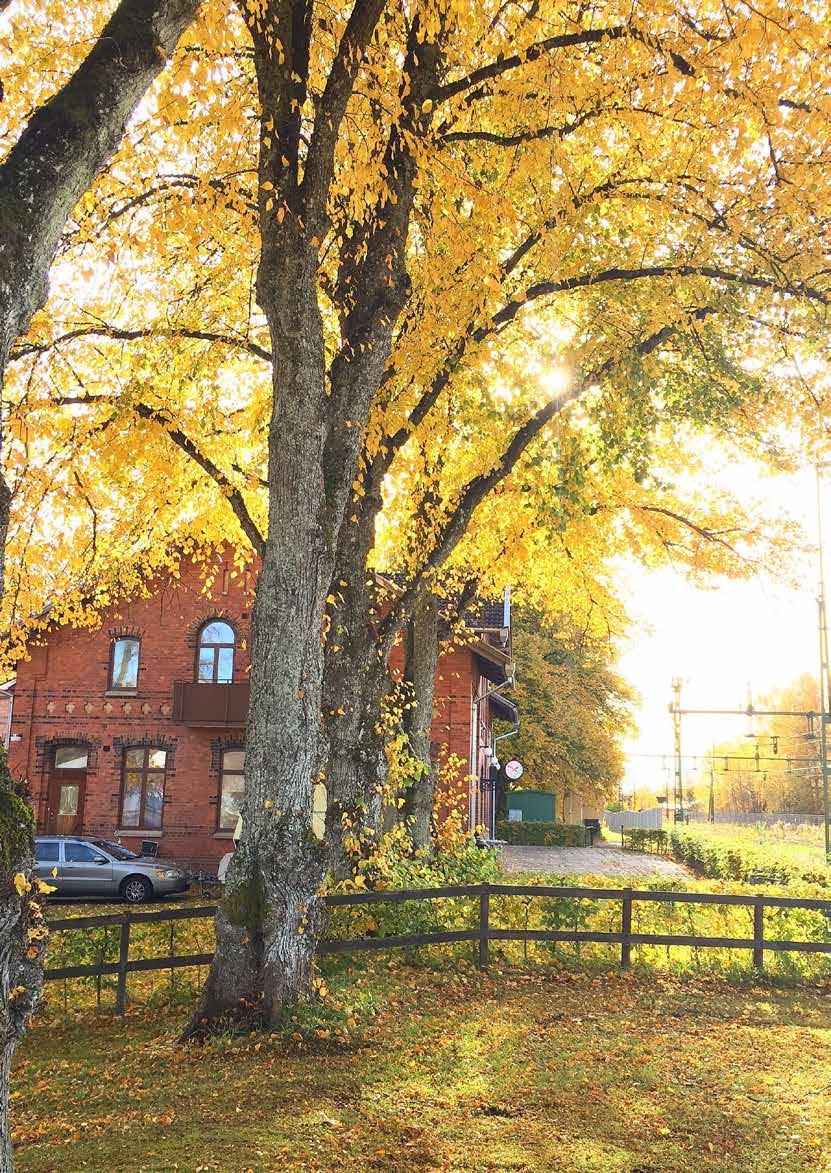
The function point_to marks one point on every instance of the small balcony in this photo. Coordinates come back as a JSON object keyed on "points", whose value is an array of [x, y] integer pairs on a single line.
{"points": [[217, 706]]}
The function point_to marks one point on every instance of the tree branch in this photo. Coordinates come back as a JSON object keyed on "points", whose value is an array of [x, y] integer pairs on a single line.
{"points": [[119, 334], [456, 524], [182, 441], [67, 142], [647, 272], [319, 166], [583, 37], [376, 287], [535, 134], [707, 535], [532, 53], [430, 396]]}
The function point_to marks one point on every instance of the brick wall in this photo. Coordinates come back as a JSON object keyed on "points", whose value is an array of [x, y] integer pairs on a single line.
{"points": [[62, 698]]}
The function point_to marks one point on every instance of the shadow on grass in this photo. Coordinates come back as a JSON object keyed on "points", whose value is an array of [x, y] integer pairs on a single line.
{"points": [[449, 1070]]}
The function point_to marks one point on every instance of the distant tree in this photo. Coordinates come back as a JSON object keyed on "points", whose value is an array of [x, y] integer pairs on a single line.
{"points": [[574, 709]]}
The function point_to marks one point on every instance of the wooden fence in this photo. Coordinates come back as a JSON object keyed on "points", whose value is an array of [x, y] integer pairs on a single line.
{"points": [[481, 934]]}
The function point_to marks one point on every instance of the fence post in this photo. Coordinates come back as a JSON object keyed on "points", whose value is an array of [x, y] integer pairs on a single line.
{"points": [[759, 933], [123, 958], [484, 914], [626, 929]]}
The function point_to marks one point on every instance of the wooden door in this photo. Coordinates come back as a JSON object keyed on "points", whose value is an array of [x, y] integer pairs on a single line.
{"points": [[67, 789]]}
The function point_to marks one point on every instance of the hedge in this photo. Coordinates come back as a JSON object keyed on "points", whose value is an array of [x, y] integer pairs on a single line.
{"points": [[722, 863], [539, 834]]}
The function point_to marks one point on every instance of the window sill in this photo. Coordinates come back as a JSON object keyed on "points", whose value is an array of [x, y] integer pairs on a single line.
{"points": [[223, 834], [134, 833], [128, 692]]}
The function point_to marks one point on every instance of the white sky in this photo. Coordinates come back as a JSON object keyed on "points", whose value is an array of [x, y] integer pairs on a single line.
{"points": [[718, 640]]}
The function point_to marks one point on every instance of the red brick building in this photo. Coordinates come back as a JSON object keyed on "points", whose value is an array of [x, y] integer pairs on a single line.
{"points": [[137, 728]]}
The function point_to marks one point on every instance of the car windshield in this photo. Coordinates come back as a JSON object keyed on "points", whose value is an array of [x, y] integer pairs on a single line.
{"points": [[115, 849]]}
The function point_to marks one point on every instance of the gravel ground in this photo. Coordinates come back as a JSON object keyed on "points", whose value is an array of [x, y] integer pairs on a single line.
{"points": [[601, 860]]}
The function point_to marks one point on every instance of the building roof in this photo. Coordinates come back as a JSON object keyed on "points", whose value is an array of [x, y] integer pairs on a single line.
{"points": [[482, 614], [488, 614]]}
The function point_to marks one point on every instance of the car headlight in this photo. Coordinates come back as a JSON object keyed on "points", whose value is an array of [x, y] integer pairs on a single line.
{"points": [[168, 874]]}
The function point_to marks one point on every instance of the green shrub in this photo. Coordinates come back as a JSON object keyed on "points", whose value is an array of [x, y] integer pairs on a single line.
{"points": [[463, 863], [643, 839], [598, 914], [738, 863], [531, 834], [719, 862]]}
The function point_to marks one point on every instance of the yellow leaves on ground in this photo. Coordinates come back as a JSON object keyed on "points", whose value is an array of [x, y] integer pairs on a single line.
{"points": [[562, 1070]]}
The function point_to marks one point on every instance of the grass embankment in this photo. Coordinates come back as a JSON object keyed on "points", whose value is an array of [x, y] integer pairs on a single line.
{"points": [[730, 853], [801, 846], [456, 1071]]}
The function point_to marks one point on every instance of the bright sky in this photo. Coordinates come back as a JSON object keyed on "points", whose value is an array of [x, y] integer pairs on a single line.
{"points": [[719, 640]]}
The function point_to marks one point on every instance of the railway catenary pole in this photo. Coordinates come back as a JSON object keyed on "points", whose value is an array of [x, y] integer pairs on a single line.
{"points": [[678, 772]]}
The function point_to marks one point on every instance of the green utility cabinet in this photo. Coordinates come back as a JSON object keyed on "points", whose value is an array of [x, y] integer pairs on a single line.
{"points": [[531, 806]]}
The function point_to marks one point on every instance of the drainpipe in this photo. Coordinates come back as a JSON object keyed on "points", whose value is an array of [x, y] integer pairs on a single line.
{"points": [[7, 737]]}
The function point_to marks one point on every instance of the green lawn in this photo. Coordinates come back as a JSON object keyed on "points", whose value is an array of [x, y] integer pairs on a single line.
{"points": [[801, 846], [455, 1071]]}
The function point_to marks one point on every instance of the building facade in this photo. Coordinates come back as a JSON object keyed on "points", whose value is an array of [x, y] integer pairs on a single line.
{"points": [[136, 729]]}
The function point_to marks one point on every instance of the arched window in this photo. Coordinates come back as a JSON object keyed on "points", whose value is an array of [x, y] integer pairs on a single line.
{"points": [[216, 653], [124, 664], [142, 791]]}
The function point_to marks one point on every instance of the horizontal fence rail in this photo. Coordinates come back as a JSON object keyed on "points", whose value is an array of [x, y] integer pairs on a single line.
{"points": [[483, 933]]}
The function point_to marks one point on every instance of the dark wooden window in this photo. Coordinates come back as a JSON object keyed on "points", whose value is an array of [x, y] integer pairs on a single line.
{"points": [[142, 789], [215, 661], [231, 788], [71, 757], [124, 664]]}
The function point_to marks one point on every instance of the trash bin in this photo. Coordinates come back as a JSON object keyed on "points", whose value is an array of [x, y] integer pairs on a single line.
{"points": [[593, 828]]}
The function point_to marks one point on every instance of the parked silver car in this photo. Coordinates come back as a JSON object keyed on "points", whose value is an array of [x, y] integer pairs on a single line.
{"points": [[99, 867]]}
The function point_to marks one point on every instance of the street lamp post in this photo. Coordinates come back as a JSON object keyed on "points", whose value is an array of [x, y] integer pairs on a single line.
{"points": [[823, 673]]}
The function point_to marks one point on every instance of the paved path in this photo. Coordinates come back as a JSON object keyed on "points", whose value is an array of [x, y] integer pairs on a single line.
{"points": [[601, 860]]}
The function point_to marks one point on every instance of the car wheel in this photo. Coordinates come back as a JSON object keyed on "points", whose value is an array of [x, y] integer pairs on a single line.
{"points": [[136, 890]]}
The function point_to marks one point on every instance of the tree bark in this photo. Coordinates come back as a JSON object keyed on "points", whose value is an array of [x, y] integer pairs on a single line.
{"points": [[68, 141], [420, 666], [22, 938], [271, 917], [64, 146], [355, 683]]}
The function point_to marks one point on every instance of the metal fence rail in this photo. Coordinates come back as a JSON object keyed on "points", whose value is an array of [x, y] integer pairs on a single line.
{"points": [[483, 933], [752, 818]]}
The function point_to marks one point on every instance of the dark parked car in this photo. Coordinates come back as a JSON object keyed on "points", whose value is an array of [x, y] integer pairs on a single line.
{"points": [[98, 867]]}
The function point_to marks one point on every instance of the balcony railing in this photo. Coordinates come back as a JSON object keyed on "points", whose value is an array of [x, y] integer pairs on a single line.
{"points": [[217, 705]]}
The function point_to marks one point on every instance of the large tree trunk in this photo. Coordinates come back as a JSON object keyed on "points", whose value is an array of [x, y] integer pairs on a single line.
{"points": [[420, 665], [22, 937], [270, 918], [356, 770], [65, 145], [356, 681]]}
